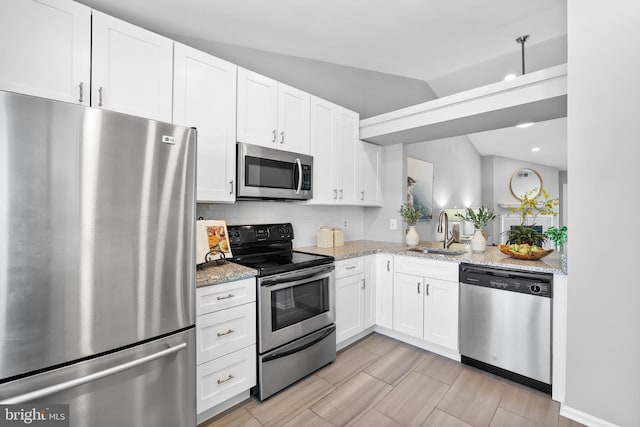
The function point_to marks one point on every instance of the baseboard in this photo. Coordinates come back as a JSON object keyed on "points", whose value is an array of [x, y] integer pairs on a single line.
{"points": [[425, 345], [357, 337], [583, 417], [220, 408]]}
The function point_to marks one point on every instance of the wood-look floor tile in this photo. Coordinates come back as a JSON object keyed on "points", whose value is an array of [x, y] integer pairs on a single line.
{"points": [[239, 417], [395, 365], [441, 368], [530, 404], [307, 418], [413, 399], [440, 418], [504, 418], [351, 399], [287, 404], [347, 364], [374, 418], [566, 422], [473, 398], [378, 344]]}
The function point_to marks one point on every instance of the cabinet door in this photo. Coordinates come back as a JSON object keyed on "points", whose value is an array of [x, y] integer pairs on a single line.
{"points": [[370, 288], [131, 69], [257, 109], [348, 130], [46, 49], [408, 304], [370, 157], [349, 306], [441, 312], [322, 146], [293, 119], [205, 98], [384, 290]]}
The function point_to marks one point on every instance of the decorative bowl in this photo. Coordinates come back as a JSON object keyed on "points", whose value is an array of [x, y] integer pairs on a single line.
{"points": [[530, 256]]}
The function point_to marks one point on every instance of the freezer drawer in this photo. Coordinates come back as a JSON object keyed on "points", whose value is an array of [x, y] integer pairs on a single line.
{"points": [[152, 384]]}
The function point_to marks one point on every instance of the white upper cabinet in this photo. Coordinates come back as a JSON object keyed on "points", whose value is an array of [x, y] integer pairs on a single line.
{"points": [[272, 114], [370, 174], [293, 119], [46, 49], [204, 97], [131, 69], [335, 151]]}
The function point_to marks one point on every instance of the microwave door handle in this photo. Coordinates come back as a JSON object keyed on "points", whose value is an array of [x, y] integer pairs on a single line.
{"points": [[299, 175]]}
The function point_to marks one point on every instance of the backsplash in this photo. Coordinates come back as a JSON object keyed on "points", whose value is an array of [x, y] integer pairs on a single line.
{"points": [[306, 219]]}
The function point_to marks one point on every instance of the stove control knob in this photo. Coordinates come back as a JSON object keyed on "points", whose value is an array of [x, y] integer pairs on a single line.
{"points": [[535, 288]]}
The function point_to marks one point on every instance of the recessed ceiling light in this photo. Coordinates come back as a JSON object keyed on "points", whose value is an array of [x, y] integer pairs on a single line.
{"points": [[534, 149], [524, 125], [510, 77]]}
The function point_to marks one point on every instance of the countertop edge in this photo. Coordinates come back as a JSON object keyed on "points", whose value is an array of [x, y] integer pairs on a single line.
{"points": [[218, 274]]}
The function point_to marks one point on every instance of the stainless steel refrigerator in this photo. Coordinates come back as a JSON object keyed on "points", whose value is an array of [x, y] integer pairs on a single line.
{"points": [[96, 263]]}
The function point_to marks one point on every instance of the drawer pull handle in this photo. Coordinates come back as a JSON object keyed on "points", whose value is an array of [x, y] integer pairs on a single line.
{"points": [[351, 267], [227, 297], [221, 334], [388, 265], [418, 287], [427, 289], [229, 378], [364, 284]]}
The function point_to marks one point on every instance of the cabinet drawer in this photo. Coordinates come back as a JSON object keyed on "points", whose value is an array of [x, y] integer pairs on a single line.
{"points": [[225, 377], [349, 267], [225, 295], [225, 331], [444, 270]]}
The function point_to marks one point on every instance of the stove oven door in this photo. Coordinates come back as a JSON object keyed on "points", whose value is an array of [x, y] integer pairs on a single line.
{"points": [[294, 304]]}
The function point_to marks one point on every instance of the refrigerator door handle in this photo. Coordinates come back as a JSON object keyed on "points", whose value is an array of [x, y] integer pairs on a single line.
{"points": [[47, 391]]}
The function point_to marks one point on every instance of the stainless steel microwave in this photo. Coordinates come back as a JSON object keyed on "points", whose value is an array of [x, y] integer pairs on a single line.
{"points": [[267, 173]]}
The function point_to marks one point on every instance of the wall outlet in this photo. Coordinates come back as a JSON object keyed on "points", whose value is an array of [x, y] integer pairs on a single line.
{"points": [[393, 224]]}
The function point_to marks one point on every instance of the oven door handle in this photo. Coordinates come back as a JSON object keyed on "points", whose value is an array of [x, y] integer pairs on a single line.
{"points": [[289, 351], [288, 280], [280, 284]]}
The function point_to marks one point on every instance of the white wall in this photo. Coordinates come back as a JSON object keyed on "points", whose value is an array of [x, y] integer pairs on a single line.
{"points": [[306, 219], [603, 347], [393, 191], [457, 176], [497, 172]]}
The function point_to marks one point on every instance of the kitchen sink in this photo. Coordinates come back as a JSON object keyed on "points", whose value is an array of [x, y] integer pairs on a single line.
{"points": [[438, 251]]}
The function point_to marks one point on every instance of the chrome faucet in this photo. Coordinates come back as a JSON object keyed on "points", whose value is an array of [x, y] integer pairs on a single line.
{"points": [[447, 242]]}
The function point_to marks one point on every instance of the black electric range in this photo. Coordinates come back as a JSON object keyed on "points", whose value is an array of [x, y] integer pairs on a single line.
{"points": [[268, 248]]}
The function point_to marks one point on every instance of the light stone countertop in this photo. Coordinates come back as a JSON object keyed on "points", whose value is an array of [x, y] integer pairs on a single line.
{"points": [[227, 272], [492, 257]]}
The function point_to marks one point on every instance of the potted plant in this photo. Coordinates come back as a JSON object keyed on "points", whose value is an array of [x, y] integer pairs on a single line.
{"points": [[558, 236], [480, 219], [411, 215], [530, 207]]}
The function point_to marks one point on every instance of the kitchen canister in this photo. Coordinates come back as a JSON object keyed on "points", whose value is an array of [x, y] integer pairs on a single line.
{"points": [[324, 238], [338, 237]]}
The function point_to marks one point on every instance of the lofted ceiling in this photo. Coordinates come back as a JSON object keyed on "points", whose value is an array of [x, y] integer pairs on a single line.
{"points": [[452, 45]]}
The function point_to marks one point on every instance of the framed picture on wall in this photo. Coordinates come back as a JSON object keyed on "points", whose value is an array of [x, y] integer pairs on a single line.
{"points": [[420, 186]]}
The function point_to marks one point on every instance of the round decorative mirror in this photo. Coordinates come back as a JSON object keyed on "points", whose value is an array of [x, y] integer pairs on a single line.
{"points": [[525, 181]]}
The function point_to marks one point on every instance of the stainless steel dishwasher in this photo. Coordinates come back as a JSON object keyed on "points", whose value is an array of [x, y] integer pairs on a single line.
{"points": [[505, 323]]}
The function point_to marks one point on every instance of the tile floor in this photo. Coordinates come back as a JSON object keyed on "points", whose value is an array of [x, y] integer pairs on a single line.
{"points": [[379, 382]]}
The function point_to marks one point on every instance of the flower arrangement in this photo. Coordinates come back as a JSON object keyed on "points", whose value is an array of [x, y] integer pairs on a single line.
{"points": [[410, 214], [530, 207], [480, 219]]}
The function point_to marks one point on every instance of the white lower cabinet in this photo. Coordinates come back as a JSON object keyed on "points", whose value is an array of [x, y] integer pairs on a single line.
{"points": [[355, 296], [425, 300], [226, 342], [384, 290], [225, 377]]}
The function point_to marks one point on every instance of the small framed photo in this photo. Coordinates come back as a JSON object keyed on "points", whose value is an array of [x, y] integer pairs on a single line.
{"points": [[212, 238]]}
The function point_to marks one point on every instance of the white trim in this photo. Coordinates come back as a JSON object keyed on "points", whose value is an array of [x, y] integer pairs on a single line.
{"points": [[347, 342], [416, 342], [583, 417]]}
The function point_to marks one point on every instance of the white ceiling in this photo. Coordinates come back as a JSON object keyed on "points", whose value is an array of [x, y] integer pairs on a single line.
{"points": [[422, 39]]}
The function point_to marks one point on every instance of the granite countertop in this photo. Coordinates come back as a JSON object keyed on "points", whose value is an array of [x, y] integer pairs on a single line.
{"points": [[492, 257], [227, 272]]}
